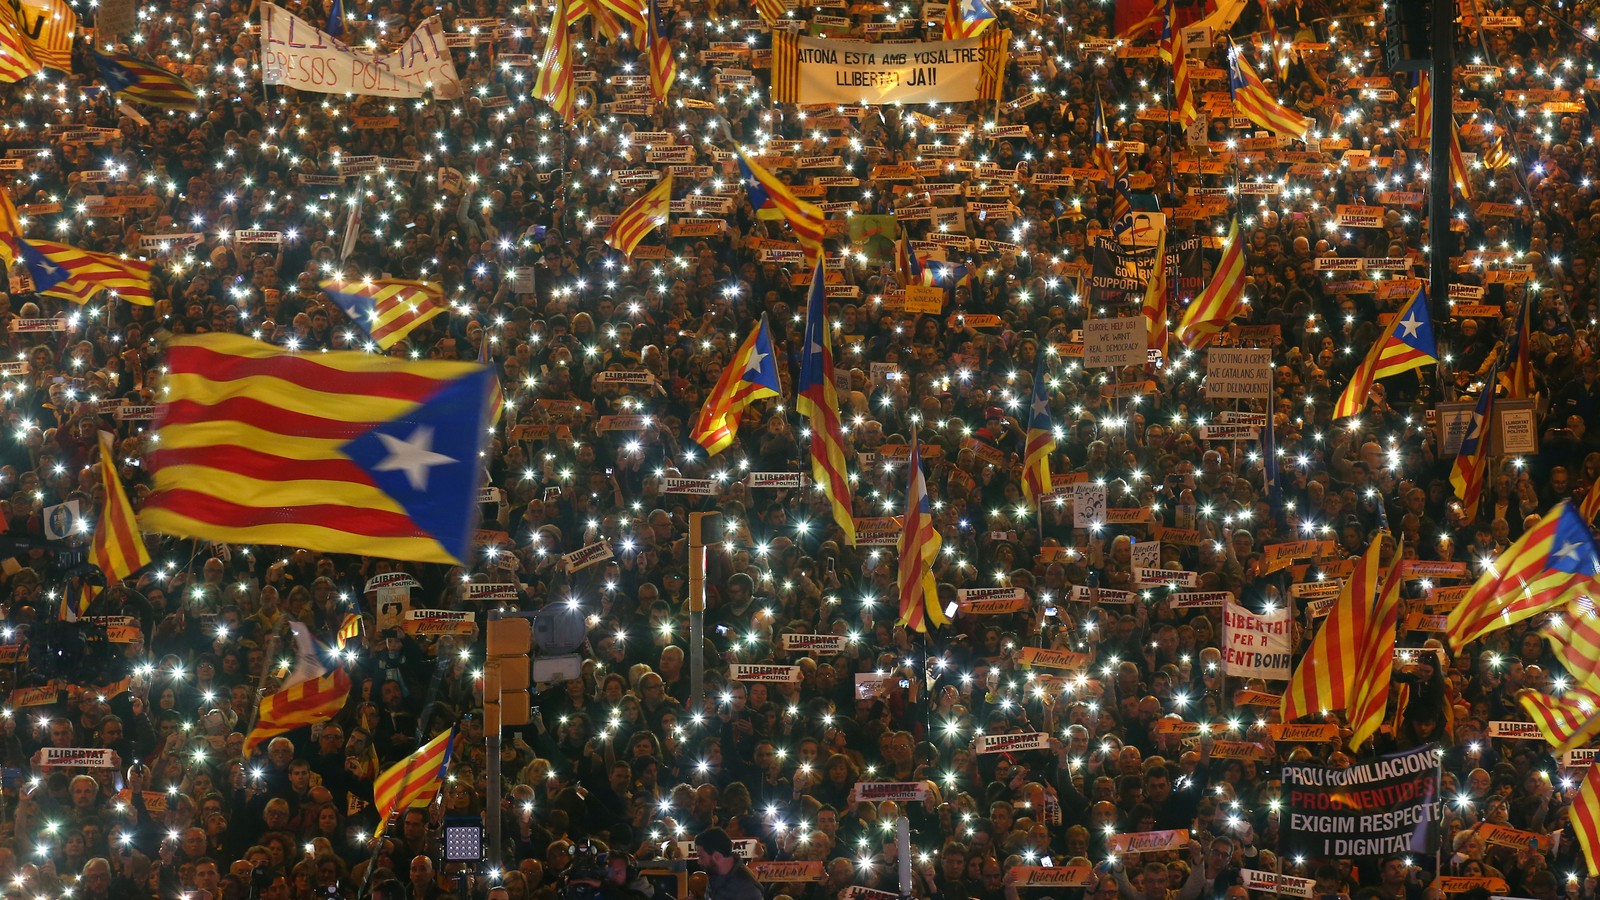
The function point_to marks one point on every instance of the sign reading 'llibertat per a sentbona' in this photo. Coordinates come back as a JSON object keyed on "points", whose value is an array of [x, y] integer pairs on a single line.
{"points": [[817, 70]]}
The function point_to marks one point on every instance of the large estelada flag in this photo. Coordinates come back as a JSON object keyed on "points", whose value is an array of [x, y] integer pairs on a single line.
{"points": [[342, 452]]}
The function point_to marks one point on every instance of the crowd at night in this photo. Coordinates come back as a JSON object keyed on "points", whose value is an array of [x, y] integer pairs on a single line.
{"points": [[1083, 617]]}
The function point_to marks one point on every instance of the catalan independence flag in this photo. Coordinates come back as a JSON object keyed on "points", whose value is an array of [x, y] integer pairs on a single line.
{"points": [[1567, 722], [751, 375], [62, 270], [766, 190], [415, 780], [663, 67], [387, 309], [1375, 655], [1221, 300], [1407, 344], [918, 549], [310, 695], [16, 62], [140, 82], [557, 83], [642, 216], [1472, 460], [48, 28], [117, 548], [818, 400], [342, 452], [1251, 97], [1585, 818], [966, 19], [1531, 576], [1041, 439], [1326, 678]]}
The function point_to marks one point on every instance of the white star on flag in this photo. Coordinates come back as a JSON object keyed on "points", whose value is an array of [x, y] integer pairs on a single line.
{"points": [[413, 457]]}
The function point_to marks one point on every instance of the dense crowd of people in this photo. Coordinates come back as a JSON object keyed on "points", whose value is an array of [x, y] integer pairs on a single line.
{"points": [[618, 772]]}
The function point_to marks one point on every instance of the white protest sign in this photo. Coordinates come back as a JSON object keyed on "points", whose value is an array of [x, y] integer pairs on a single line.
{"points": [[298, 55], [1114, 342], [1238, 373], [1256, 646], [1088, 505]]}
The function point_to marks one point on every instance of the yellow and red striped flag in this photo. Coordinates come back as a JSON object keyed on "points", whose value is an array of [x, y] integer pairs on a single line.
{"points": [[1221, 300], [1326, 678], [387, 309], [1171, 49], [1154, 306], [310, 695], [966, 19], [141, 82], [663, 67], [751, 375], [818, 400], [1531, 576], [556, 83], [16, 63], [772, 11], [47, 28], [1252, 98], [1458, 163], [1041, 439], [627, 12], [72, 273], [642, 216], [1472, 460], [339, 452], [1585, 817], [1375, 655], [118, 548], [349, 629], [413, 781], [919, 546], [1567, 722], [1423, 116], [1407, 344], [1520, 376], [10, 222], [768, 193]]}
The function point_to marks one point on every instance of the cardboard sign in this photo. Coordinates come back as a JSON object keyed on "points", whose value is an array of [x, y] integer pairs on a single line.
{"points": [[1307, 733], [1579, 759], [1144, 575], [1237, 750], [965, 595], [496, 591], [699, 487], [1515, 731], [1053, 659], [1348, 216], [583, 558], [1002, 607], [772, 674], [1460, 884], [1114, 342], [1052, 876], [1257, 698], [1238, 373], [1257, 646], [45, 695], [1007, 743], [769, 870], [391, 580], [1506, 836], [1148, 841], [900, 791], [1271, 883], [773, 480], [88, 757], [1199, 599], [818, 644]]}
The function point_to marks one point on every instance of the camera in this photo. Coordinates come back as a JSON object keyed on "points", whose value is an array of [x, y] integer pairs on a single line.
{"points": [[587, 873]]}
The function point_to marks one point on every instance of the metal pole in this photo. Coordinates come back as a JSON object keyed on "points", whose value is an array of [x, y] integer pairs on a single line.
{"points": [[1440, 187], [699, 524], [697, 616], [491, 730]]}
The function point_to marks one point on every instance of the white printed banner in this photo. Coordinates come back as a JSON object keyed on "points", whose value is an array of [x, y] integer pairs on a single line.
{"points": [[1255, 646], [299, 55]]}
